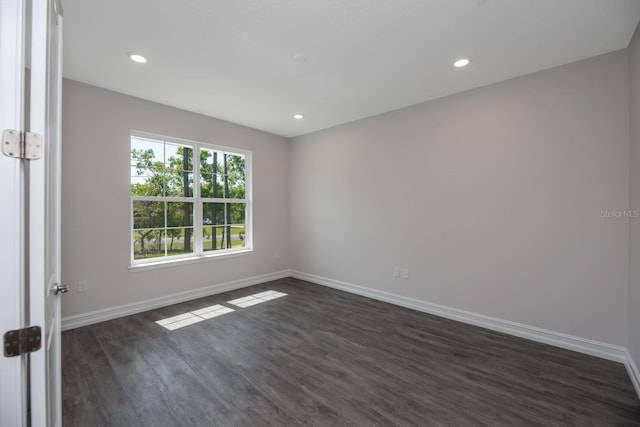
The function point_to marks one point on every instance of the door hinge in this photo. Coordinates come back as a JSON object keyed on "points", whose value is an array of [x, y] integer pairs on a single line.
{"points": [[21, 341], [21, 145]]}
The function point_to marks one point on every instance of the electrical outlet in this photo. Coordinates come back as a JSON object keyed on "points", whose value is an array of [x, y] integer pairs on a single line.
{"points": [[83, 286], [405, 273], [396, 271]]}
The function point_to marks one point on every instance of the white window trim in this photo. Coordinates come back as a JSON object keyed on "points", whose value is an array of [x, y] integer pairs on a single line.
{"points": [[179, 260], [198, 255]]}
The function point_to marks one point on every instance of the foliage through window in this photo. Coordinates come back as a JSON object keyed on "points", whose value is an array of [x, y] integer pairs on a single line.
{"points": [[187, 198]]}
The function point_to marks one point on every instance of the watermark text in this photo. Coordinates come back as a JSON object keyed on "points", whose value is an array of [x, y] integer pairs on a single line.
{"points": [[629, 213]]}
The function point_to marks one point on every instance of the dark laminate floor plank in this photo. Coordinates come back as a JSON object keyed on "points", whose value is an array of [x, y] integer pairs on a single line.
{"points": [[327, 358], [93, 384], [137, 377]]}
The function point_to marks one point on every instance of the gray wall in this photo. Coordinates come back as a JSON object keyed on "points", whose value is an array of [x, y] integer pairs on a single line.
{"points": [[634, 202], [491, 198], [95, 199]]}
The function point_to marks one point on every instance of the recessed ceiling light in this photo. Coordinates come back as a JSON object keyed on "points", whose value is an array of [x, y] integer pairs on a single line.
{"points": [[136, 57], [298, 116], [462, 62], [300, 58]]}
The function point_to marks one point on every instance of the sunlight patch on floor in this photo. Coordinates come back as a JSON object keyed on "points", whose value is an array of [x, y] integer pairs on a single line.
{"points": [[256, 298], [192, 317], [186, 319]]}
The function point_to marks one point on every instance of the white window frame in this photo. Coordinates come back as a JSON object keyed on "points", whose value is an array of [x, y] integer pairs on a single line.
{"points": [[198, 254]]}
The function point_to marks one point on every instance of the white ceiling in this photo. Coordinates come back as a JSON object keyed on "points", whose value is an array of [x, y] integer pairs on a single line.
{"points": [[234, 59]]}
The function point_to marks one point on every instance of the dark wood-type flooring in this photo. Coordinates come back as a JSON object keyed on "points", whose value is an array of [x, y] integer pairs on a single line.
{"points": [[323, 357]]}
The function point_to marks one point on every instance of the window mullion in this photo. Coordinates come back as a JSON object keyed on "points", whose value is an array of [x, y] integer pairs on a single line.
{"points": [[197, 203], [164, 238]]}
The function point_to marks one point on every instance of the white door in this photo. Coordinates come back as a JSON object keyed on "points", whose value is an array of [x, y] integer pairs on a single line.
{"points": [[12, 311], [44, 211], [38, 302]]}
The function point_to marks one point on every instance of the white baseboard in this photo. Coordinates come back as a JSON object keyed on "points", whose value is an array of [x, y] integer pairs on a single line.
{"points": [[581, 345], [632, 369], [97, 316]]}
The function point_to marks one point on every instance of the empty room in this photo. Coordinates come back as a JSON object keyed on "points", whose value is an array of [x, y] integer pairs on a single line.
{"points": [[337, 212]]}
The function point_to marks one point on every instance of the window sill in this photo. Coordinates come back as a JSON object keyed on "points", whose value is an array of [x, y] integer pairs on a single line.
{"points": [[134, 268]]}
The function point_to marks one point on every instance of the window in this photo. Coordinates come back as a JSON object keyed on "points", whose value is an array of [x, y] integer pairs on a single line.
{"points": [[173, 218]]}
